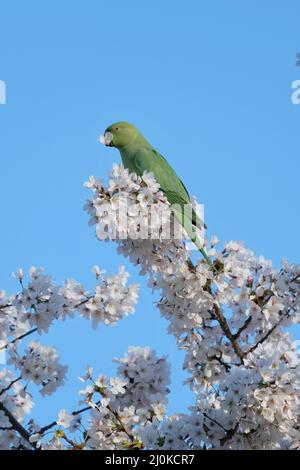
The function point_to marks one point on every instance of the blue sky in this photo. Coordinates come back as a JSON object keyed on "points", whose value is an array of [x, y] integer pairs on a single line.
{"points": [[209, 84]]}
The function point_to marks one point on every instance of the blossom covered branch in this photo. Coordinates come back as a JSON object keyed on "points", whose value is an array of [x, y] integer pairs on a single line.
{"points": [[232, 321], [243, 365], [34, 309]]}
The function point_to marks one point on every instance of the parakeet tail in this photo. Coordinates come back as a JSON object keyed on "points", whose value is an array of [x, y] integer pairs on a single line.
{"points": [[196, 241], [189, 227]]}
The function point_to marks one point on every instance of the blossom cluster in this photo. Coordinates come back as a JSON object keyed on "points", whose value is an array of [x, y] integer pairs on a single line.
{"points": [[136, 396], [121, 406], [134, 207], [41, 301], [40, 365]]}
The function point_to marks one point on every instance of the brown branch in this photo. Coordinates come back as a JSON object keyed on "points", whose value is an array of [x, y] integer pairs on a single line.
{"points": [[214, 421], [221, 319], [266, 336], [225, 327], [74, 444], [233, 337]]}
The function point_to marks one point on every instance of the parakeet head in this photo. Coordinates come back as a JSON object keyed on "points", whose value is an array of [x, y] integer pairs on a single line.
{"points": [[119, 134]]}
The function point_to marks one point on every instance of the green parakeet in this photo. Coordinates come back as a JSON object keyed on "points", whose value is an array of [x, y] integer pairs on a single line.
{"points": [[139, 156]]}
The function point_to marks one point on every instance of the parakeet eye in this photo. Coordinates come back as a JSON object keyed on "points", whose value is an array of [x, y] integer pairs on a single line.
{"points": [[117, 128]]}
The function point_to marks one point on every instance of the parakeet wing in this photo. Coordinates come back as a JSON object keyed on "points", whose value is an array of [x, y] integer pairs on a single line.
{"points": [[148, 159]]}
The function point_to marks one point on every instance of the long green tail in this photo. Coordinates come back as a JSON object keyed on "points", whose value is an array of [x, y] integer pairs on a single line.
{"points": [[189, 227]]}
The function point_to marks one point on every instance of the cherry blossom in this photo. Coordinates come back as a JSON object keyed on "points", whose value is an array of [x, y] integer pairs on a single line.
{"points": [[232, 319]]}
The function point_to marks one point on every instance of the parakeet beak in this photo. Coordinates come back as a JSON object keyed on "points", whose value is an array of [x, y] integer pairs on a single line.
{"points": [[106, 139]]}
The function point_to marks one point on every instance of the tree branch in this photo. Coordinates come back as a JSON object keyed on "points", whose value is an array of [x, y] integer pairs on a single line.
{"points": [[226, 330], [18, 338], [219, 360], [243, 327], [10, 385], [74, 413], [220, 318], [266, 336], [17, 426]]}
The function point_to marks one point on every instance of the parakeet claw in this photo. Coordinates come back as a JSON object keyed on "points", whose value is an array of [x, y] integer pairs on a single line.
{"points": [[106, 139]]}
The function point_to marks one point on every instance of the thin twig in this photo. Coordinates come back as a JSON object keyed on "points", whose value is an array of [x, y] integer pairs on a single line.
{"points": [[35, 329], [219, 360], [2, 307], [10, 385], [263, 339], [74, 413], [74, 444], [18, 338], [225, 327]]}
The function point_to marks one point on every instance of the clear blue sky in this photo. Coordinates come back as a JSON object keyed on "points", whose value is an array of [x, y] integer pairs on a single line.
{"points": [[208, 82]]}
